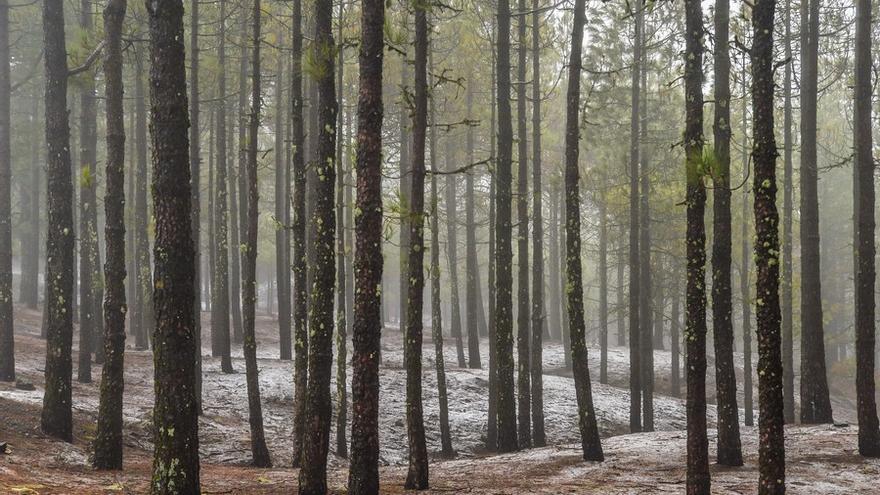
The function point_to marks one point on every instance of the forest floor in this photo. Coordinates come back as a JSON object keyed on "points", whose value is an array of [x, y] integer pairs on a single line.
{"points": [[821, 459]]}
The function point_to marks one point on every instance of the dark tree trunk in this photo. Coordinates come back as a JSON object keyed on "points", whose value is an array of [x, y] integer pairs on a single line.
{"points": [[175, 414], [592, 448], [603, 288], [553, 309], [403, 115], [452, 245], [659, 306], [241, 176], [506, 398], [56, 417], [695, 315], [108, 437], [787, 209], [729, 448], [88, 156], [619, 288], [744, 287], [144, 320], [863, 214], [220, 293], [417, 475], [341, 277], [259, 452], [282, 215], [473, 296], [436, 304], [815, 403], [539, 438], [771, 447], [363, 473], [566, 327], [646, 316], [313, 475], [674, 337], [7, 340], [635, 369], [524, 400], [195, 162], [492, 412], [298, 228]]}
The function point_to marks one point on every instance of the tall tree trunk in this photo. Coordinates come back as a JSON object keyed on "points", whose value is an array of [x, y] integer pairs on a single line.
{"points": [[298, 228], [145, 318], [503, 324], [695, 327], [436, 304], [108, 437], [241, 175], [313, 475], [553, 309], [815, 402], [538, 307], [341, 278], [603, 287], [282, 215], [30, 190], [56, 419], [863, 215], [787, 209], [7, 339], [566, 327], [403, 115], [88, 157], [635, 369], [220, 292], [646, 324], [417, 475], [592, 448], [492, 412], [674, 337], [744, 287], [363, 472], [619, 288], [771, 447], [175, 414], [452, 244], [195, 162], [524, 400], [473, 296], [729, 448], [259, 452]]}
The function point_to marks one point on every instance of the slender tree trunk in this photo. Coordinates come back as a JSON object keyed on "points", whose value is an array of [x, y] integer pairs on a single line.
{"points": [[403, 115], [771, 447], [452, 247], [503, 324], [745, 289], [108, 438], [729, 448], [538, 307], [553, 316], [175, 414], [195, 162], [313, 475], [619, 289], [30, 190], [145, 319], [56, 419], [787, 209], [646, 324], [7, 339], [282, 215], [815, 402], [695, 327], [492, 413], [863, 215], [566, 327], [635, 369], [341, 289], [474, 308], [592, 448], [603, 288], [241, 175], [417, 475], [674, 338], [298, 228], [524, 400], [363, 473], [259, 452]]}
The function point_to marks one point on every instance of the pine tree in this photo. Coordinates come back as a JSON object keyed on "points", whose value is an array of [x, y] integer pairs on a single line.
{"points": [[635, 371], [195, 164], [539, 438], [7, 340], [474, 298], [341, 278]]}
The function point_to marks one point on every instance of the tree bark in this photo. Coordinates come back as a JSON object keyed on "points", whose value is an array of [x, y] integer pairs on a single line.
{"points": [[452, 246], [539, 438], [175, 414], [341, 289], [473, 296], [635, 369], [745, 288], [7, 338], [787, 209], [282, 216], [695, 328], [195, 162], [603, 288]]}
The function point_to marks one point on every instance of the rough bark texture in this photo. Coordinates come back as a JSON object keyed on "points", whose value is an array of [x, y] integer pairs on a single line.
{"points": [[7, 341], [282, 216], [108, 435], [771, 447], [592, 448], [744, 287], [195, 164], [56, 417], [787, 210], [539, 437], [506, 399], [341, 272], [865, 251], [729, 447], [473, 295], [175, 414], [815, 402], [695, 315], [417, 475], [313, 475], [646, 311], [603, 290], [363, 472], [259, 451], [635, 369]]}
